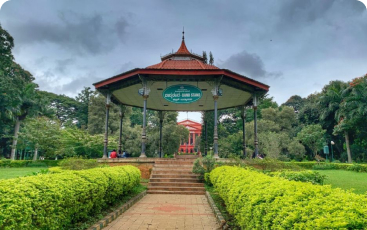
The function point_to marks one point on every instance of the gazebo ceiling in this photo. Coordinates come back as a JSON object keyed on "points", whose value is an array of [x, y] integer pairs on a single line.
{"points": [[181, 68]]}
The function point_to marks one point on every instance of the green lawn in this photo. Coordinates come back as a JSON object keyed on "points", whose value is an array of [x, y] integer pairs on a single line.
{"points": [[346, 180], [7, 173]]}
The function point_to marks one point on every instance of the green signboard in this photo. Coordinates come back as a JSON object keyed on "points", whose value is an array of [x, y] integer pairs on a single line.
{"points": [[182, 94], [326, 149]]}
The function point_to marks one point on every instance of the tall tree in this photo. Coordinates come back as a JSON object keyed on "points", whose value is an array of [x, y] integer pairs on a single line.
{"points": [[82, 112], [313, 137], [28, 97], [211, 58], [330, 100], [41, 134], [65, 108], [353, 110], [329, 104], [296, 102], [310, 111], [284, 116], [205, 56]]}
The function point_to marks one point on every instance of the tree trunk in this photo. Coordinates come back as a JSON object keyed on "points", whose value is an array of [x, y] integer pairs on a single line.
{"points": [[35, 156], [15, 139], [348, 147]]}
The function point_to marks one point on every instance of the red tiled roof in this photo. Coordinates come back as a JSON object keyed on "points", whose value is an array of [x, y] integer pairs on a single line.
{"points": [[181, 64], [183, 49]]}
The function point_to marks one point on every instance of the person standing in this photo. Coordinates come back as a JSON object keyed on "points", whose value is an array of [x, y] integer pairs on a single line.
{"points": [[113, 154]]}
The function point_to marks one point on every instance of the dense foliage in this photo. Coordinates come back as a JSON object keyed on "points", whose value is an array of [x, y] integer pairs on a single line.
{"points": [[258, 201], [203, 166], [57, 201], [36, 123], [78, 163], [304, 176], [27, 163], [301, 127]]}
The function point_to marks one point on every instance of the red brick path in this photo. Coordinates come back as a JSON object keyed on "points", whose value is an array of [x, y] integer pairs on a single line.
{"points": [[164, 211]]}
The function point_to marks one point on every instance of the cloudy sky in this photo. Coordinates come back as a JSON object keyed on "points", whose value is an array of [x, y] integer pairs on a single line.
{"points": [[295, 46]]}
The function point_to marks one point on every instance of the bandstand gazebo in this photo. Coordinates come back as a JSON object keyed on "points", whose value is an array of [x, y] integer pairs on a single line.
{"points": [[182, 81]]}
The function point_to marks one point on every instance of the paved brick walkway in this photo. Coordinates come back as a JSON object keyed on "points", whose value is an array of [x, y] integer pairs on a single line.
{"points": [[156, 211]]}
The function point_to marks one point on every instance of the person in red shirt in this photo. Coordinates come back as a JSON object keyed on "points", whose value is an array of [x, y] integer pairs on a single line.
{"points": [[113, 154]]}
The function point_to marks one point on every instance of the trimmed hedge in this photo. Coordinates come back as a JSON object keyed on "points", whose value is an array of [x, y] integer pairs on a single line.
{"points": [[57, 201], [357, 168], [258, 201], [328, 166], [28, 163], [303, 176]]}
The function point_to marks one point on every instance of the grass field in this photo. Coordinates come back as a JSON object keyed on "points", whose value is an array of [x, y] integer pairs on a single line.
{"points": [[346, 180], [7, 173]]}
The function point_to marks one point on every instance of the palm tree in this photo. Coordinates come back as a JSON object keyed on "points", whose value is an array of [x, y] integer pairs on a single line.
{"points": [[28, 98], [333, 112], [356, 102], [353, 109]]}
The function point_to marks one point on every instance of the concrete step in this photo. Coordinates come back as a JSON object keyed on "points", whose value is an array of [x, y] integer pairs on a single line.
{"points": [[166, 176], [179, 180], [176, 192], [155, 172], [175, 184], [185, 159], [175, 188], [187, 156], [174, 162], [173, 166], [172, 169]]}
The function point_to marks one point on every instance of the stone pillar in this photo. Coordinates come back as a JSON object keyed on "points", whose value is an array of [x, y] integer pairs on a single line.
{"points": [[108, 105], [161, 116], [216, 92], [255, 103], [243, 116], [206, 138], [121, 115], [215, 126], [144, 135]]}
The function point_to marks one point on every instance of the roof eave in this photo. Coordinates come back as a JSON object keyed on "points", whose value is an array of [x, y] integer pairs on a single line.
{"points": [[168, 56], [225, 72]]}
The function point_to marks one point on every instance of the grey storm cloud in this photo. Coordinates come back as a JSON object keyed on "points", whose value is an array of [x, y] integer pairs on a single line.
{"points": [[248, 64], [300, 13], [287, 44], [79, 34], [296, 13], [78, 83], [63, 64]]}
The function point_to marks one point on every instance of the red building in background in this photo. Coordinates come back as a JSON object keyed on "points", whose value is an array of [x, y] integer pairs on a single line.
{"points": [[195, 132]]}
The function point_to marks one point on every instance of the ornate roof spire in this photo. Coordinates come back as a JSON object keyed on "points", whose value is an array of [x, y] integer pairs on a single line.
{"points": [[182, 53], [183, 49]]}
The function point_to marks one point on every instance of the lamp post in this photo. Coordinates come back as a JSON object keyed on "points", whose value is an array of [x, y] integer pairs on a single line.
{"points": [[332, 154], [326, 150]]}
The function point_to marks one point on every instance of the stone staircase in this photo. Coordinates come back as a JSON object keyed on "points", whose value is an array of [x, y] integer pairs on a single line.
{"points": [[175, 177]]}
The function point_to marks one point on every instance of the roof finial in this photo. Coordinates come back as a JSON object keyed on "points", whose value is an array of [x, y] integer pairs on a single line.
{"points": [[183, 34]]}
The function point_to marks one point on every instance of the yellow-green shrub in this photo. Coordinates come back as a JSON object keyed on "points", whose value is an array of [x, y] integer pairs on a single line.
{"points": [[56, 201], [28, 163], [258, 201], [303, 176], [55, 170]]}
